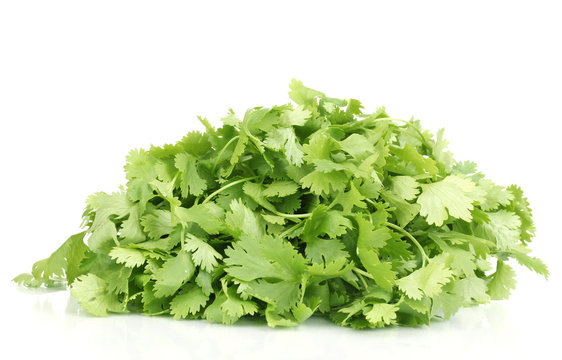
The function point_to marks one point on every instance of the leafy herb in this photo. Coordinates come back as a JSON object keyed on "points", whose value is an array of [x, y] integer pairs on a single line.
{"points": [[293, 211]]}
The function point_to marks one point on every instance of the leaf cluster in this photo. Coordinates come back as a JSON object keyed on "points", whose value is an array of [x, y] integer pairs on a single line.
{"points": [[311, 208]]}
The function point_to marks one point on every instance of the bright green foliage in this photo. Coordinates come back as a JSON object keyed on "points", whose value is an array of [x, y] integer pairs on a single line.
{"points": [[293, 211], [189, 301], [130, 257], [451, 195], [382, 314], [173, 274], [502, 282], [94, 295], [426, 281], [63, 264]]}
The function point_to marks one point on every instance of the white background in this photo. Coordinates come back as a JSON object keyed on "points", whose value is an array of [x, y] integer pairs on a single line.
{"points": [[82, 83]]}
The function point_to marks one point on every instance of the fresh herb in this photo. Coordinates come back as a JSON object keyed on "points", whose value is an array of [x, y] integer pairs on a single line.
{"points": [[293, 211]]}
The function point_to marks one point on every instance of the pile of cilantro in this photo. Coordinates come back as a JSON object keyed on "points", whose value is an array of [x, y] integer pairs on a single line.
{"points": [[293, 211]]}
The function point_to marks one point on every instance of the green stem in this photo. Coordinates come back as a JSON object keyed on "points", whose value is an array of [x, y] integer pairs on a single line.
{"points": [[296, 216], [370, 201], [226, 187], [413, 239], [363, 281], [257, 142], [182, 237], [289, 230], [364, 273], [224, 287], [222, 151]]}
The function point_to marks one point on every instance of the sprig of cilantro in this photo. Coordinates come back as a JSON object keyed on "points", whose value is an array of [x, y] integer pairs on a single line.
{"points": [[313, 209]]}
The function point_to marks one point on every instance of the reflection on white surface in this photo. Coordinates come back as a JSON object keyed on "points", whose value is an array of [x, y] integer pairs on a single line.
{"points": [[56, 322]]}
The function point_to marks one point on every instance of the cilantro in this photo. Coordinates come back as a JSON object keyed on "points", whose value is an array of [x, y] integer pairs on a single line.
{"points": [[293, 211]]}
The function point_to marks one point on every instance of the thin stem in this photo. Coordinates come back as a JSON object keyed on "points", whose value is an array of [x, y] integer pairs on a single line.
{"points": [[182, 237], [296, 216], [413, 239], [364, 273], [303, 287], [363, 281], [224, 287], [332, 204], [226, 187], [370, 201], [222, 151], [289, 230]]}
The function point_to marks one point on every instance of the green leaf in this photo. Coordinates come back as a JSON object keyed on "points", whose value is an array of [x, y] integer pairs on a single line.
{"points": [[235, 307], [357, 146], [173, 274], [241, 221], [520, 206], [284, 139], [404, 186], [188, 301], [302, 95], [531, 263], [295, 117], [127, 256], [422, 164], [448, 197], [325, 183], [157, 223], [472, 288], [281, 189], [92, 294], [426, 281], [494, 195], [350, 199], [381, 314], [502, 282], [403, 210], [368, 243], [503, 229], [209, 217], [190, 180], [203, 254]]}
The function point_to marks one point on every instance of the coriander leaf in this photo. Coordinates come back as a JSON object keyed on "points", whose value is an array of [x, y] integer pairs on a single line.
{"points": [[188, 301], [409, 154], [173, 274], [127, 256], [302, 95], [203, 254], [448, 197], [281, 189], [157, 223], [294, 117], [472, 288], [190, 180], [503, 229], [404, 186], [520, 206], [92, 294], [494, 195], [381, 314], [209, 217], [502, 282], [425, 281]]}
